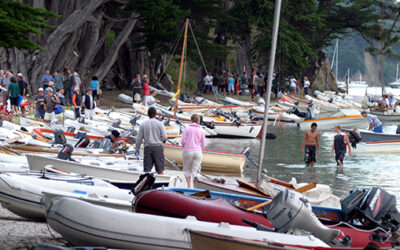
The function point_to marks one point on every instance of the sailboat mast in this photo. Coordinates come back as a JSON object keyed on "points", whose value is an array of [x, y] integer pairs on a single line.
{"points": [[337, 58], [269, 85], [381, 52], [181, 68], [397, 72]]}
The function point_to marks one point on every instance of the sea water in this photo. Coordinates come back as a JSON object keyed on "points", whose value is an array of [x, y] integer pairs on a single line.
{"points": [[283, 160]]}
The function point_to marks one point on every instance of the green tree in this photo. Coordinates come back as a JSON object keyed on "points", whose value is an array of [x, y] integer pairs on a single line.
{"points": [[18, 21]]}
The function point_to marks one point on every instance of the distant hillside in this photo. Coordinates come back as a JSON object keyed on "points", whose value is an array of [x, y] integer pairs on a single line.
{"points": [[352, 55]]}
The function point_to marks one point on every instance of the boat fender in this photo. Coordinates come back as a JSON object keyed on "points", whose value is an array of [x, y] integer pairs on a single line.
{"points": [[144, 183], [291, 210]]}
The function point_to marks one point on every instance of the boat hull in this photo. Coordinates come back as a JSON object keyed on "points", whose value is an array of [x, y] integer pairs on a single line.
{"points": [[101, 226], [384, 116], [37, 162], [214, 162], [383, 147], [351, 121]]}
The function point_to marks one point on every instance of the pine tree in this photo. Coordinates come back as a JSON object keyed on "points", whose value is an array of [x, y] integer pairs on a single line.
{"points": [[18, 21]]}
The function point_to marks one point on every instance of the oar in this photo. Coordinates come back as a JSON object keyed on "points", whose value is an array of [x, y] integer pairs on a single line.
{"points": [[18, 137], [300, 190], [10, 150]]}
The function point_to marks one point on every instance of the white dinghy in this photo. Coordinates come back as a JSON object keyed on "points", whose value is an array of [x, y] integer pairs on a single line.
{"points": [[22, 194], [101, 226]]}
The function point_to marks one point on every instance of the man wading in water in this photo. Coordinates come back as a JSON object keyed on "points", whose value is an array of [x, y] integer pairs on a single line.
{"points": [[311, 141], [340, 141]]}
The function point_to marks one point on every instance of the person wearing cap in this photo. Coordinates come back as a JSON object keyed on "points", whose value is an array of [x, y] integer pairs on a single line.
{"points": [[113, 137], [13, 93], [52, 85], [40, 105], [89, 104], [153, 132], [51, 101], [46, 79], [76, 102]]}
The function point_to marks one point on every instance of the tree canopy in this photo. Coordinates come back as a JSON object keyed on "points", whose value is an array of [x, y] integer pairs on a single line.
{"points": [[18, 21]]}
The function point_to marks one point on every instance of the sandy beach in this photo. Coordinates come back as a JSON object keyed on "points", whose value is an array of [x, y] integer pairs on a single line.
{"points": [[19, 233]]}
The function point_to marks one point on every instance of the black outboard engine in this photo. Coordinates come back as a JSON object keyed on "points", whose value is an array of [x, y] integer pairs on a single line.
{"points": [[144, 183], [374, 208], [209, 125], [398, 129], [71, 129], [354, 137], [59, 137], [160, 118], [83, 142], [235, 122], [167, 122], [81, 119], [330, 100], [66, 152], [106, 144], [310, 113], [297, 112]]}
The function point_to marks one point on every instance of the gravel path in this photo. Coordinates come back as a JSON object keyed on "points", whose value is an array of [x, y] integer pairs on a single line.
{"points": [[19, 233]]}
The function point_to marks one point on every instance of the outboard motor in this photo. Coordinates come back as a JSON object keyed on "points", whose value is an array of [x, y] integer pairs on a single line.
{"points": [[160, 118], [209, 125], [96, 144], [80, 135], [235, 122], [167, 122], [291, 210], [354, 137], [83, 142], [144, 183], [330, 100], [71, 129], [297, 112], [117, 123], [398, 129], [105, 144], [66, 152], [310, 113], [81, 119], [134, 119], [373, 208], [59, 137]]}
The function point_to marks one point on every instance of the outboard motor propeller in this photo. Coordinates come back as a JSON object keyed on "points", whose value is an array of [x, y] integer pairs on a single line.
{"points": [[291, 210]]}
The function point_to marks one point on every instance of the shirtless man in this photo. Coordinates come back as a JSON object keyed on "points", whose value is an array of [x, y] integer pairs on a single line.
{"points": [[311, 141]]}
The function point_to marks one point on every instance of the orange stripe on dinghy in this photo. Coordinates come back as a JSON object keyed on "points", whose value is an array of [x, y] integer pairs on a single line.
{"points": [[41, 131], [332, 118]]}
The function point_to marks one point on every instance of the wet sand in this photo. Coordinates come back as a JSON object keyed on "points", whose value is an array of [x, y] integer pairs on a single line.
{"points": [[19, 233]]}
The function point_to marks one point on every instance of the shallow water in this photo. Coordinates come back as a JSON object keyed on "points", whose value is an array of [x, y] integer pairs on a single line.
{"points": [[283, 160]]}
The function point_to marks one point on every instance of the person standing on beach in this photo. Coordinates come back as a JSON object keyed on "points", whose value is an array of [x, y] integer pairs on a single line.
{"points": [[307, 85], [310, 145], [193, 141], [51, 101], [13, 92], [46, 79], [58, 80], [137, 89], [340, 141], [154, 134], [70, 85], [208, 80]]}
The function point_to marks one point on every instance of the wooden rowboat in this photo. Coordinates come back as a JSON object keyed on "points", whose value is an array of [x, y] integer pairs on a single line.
{"points": [[214, 162]]}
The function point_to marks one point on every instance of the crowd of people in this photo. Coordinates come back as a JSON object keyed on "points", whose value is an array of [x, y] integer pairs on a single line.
{"points": [[50, 95], [227, 83]]}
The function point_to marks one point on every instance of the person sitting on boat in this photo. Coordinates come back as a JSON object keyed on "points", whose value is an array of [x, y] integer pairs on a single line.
{"points": [[311, 141], [193, 141], [150, 100], [374, 123], [114, 138], [340, 141], [154, 134]]}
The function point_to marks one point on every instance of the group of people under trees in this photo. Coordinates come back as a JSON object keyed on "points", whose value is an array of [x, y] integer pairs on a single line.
{"points": [[49, 95], [141, 91], [228, 83]]}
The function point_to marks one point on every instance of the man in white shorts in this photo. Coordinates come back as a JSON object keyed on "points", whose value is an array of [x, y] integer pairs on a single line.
{"points": [[89, 104], [50, 101]]}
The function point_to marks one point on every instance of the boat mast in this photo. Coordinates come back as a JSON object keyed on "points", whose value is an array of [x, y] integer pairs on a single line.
{"points": [[269, 85], [397, 72], [381, 52], [181, 68]]}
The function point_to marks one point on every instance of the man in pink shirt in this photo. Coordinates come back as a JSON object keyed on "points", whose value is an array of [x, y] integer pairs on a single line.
{"points": [[193, 141]]}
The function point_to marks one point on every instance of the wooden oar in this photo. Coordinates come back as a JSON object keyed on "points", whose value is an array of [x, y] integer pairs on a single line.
{"points": [[18, 137], [300, 190], [9, 150]]}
